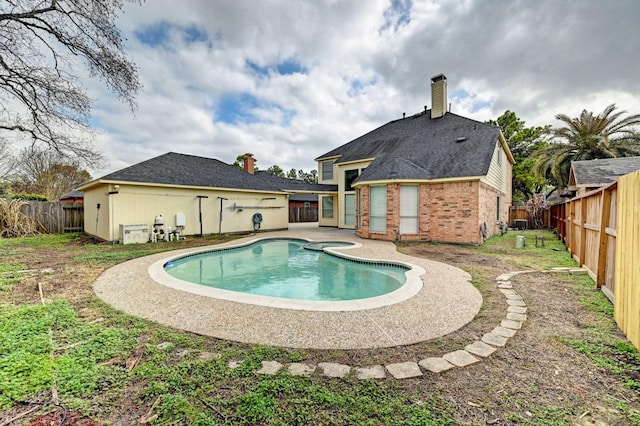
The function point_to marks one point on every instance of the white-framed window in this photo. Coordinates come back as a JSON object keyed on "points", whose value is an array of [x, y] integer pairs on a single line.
{"points": [[408, 209], [349, 209], [499, 155], [378, 209], [327, 170], [327, 207]]}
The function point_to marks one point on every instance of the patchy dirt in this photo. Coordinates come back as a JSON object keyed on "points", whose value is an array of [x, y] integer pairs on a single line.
{"points": [[535, 375], [535, 379], [62, 418]]}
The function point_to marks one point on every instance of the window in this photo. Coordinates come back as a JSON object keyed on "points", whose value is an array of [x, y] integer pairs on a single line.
{"points": [[499, 155], [408, 209], [327, 207], [349, 177], [327, 170], [498, 208], [307, 204], [349, 209], [378, 209]]}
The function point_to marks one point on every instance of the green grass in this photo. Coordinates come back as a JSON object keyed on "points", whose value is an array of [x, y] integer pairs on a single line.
{"points": [[43, 346], [10, 274], [602, 343], [51, 241], [554, 254]]}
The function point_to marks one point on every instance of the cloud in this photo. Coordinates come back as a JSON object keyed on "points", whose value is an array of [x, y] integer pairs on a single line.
{"points": [[289, 81]]}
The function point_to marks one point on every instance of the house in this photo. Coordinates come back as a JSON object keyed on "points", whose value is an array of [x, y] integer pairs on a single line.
{"points": [[433, 176], [192, 194], [588, 175], [72, 197], [303, 196]]}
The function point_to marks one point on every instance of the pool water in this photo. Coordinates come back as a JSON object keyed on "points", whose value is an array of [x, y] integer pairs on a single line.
{"points": [[285, 269]]}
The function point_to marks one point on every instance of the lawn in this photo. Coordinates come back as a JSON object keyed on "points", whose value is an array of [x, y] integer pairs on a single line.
{"points": [[63, 352]]}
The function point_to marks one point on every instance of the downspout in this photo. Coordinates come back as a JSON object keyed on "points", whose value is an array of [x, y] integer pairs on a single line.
{"points": [[220, 221], [200, 197]]}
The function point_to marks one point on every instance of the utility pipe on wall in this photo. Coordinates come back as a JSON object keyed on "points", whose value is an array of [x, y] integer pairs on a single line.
{"points": [[220, 222], [200, 197]]}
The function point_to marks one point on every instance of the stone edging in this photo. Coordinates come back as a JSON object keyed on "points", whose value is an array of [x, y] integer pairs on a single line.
{"points": [[472, 353]]}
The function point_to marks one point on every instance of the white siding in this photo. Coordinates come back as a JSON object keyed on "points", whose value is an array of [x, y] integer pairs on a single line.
{"points": [[498, 170], [339, 174]]}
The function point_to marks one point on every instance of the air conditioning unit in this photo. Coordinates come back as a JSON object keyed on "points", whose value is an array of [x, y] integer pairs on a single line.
{"points": [[132, 234]]}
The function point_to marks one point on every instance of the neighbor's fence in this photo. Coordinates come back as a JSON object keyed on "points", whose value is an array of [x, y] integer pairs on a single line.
{"points": [[520, 213], [303, 214], [588, 227], [55, 217], [601, 230]]}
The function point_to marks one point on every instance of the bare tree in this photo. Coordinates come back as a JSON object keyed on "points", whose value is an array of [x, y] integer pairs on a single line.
{"points": [[7, 161], [48, 173], [41, 99]]}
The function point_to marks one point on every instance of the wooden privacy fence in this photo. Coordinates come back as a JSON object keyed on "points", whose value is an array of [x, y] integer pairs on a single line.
{"points": [[303, 214], [588, 227], [602, 232], [520, 213], [55, 217], [627, 269]]}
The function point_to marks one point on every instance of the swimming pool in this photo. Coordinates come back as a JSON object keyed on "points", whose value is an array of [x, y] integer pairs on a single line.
{"points": [[291, 273], [290, 269]]}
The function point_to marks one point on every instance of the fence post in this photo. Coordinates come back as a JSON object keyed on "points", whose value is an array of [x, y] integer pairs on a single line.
{"points": [[605, 207]]}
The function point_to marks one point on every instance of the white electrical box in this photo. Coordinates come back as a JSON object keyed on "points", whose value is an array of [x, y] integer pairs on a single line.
{"points": [[132, 234], [181, 220]]}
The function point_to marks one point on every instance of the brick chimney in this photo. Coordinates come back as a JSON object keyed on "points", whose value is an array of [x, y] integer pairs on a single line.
{"points": [[248, 162], [438, 96]]}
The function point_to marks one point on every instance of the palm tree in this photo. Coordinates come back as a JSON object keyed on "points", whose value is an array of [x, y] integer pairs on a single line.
{"points": [[587, 137]]}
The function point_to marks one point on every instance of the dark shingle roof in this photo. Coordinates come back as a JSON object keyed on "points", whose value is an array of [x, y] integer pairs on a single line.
{"points": [[603, 171], [287, 184], [423, 148], [304, 197], [190, 170], [72, 194]]}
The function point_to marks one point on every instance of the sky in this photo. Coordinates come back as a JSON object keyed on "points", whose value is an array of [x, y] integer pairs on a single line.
{"points": [[291, 80]]}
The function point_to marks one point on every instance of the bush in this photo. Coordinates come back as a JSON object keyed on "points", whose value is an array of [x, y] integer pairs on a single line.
{"points": [[26, 196]]}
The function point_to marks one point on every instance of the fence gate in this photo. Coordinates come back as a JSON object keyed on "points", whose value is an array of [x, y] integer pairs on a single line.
{"points": [[73, 217]]}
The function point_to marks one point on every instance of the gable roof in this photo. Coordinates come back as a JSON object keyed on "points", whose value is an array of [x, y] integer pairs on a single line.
{"points": [[601, 172], [419, 147], [188, 170]]}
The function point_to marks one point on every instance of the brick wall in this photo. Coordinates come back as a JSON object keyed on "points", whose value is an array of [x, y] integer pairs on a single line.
{"points": [[363, 232], [449, 212], [453, 212]]}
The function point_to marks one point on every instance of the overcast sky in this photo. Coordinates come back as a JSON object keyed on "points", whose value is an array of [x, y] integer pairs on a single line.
{"points": [[291, 80]]}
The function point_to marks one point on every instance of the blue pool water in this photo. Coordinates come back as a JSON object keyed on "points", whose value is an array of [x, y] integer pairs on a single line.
{"points": [[284, 268]]}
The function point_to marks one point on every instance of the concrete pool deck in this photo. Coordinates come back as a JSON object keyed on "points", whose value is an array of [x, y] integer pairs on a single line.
{"points": [[446, 302]]}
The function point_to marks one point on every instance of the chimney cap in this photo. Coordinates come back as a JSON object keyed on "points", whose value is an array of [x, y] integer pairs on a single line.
{"points": [[438, 77], [248, 154]]}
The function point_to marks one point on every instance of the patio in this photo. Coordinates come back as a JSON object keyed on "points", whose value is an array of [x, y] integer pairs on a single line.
{"points": [[446, 302]]}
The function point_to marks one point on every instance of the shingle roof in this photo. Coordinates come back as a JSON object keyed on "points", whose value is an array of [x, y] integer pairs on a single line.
{"points": [[603, 171], [423, 148], [190, 170], [287, 184], [72, 194], [304, 197]]}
